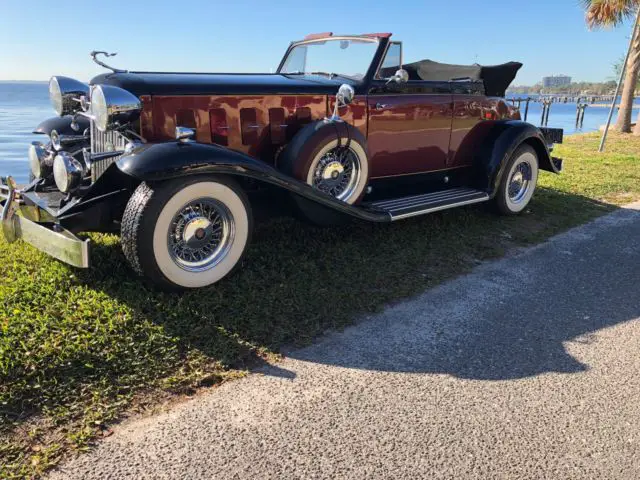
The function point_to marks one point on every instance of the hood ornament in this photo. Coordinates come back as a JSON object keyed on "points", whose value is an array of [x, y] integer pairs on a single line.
{"points": [[95, 53]]}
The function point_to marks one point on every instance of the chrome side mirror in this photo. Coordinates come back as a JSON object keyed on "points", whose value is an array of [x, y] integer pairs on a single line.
{"points": [[401, 76], [344, 97]]}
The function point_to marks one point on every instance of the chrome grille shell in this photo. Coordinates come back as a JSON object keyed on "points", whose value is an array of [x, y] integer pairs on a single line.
{"points": [[103, 142]]}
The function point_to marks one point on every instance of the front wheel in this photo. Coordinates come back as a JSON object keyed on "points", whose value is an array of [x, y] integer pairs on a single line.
{"points": [[186, 234], [518, 182]]}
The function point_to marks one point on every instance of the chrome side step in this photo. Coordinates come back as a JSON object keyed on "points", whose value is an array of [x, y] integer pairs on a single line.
{"points": [[415, 205]]}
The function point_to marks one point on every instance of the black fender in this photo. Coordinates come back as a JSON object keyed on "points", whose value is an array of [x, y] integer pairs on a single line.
{"points": [[163, 161], [500, 140], [62, 125]]}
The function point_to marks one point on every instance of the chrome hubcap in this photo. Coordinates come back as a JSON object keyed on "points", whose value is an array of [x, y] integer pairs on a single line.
{"points": [[338, 173], [520, 182], [200, 235]]}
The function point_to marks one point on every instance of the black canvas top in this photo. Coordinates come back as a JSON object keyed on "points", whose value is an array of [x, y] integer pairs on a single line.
{"points": [[496, 78]]}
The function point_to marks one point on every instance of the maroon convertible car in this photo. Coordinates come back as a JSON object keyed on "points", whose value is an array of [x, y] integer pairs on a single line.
{"points": [[344, 126]]}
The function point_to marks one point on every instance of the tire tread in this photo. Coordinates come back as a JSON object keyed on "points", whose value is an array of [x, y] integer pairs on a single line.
{"points": [[131, 222]]}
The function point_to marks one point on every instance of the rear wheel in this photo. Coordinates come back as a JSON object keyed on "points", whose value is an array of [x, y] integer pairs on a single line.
{"points": [[189, 234], [519, 181]]}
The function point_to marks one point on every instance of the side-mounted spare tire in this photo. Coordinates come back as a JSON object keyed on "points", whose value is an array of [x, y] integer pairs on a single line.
{"points": [[332, 157]]}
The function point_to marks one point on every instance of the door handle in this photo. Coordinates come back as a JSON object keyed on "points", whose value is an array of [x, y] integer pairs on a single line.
{"points": [[382, 106]]}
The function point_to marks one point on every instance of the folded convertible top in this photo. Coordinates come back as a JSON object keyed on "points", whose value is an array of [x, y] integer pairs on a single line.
{"points": [[496, 78]]}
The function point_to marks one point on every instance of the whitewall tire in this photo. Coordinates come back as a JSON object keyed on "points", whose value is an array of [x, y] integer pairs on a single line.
{"points": [[186, 233], [339, 170], [518, 182]]}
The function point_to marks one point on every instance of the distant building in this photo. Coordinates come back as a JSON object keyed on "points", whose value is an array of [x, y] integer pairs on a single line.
{"points": [[556, 81]]}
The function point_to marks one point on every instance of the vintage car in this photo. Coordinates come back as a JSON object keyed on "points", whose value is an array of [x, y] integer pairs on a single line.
{"points": [[171, 160]]}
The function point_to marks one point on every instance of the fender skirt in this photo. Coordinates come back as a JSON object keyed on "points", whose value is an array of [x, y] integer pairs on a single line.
{"points": [[500, 142], [163, 161]]}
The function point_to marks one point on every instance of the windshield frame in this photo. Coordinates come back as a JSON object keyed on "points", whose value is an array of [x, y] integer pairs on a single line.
{"points": [[382, 43]]}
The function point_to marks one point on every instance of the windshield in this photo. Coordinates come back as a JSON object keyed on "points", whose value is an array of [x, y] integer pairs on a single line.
{"points": [[335, 57]]}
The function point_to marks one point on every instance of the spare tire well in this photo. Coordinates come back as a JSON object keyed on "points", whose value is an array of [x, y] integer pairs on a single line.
{"points": [[330, 156]]}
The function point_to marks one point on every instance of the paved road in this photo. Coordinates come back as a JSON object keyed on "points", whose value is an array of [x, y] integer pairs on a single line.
{"points": [[529, 367]]}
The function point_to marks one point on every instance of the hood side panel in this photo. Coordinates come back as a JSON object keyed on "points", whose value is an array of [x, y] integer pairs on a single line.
{"points": [[257, 125]]}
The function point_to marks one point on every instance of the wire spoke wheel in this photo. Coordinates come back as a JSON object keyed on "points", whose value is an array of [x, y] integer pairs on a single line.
{"points": [[520, 182], [338, 173], [200, 234]]}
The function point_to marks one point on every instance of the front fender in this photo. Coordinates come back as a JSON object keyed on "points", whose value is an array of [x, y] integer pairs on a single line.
{"points": [[163, 161], [62, 125], [501, 141]]}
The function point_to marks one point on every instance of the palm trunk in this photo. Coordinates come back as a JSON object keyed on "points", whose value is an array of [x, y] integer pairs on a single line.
{"points": [[636, 130], [623, 124]]}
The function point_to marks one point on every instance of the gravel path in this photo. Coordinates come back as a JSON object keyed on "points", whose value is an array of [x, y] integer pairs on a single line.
{"points": [[529, 367]]}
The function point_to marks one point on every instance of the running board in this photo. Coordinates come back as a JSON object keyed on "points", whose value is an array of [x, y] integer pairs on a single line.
{"points": [[415, 205]]}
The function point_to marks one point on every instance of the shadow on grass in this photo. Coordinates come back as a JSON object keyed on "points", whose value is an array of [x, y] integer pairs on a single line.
{"points": [[99, 337], [298, 282]]}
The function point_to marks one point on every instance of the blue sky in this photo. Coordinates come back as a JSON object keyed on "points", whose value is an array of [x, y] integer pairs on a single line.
{"points": [[39, 38]]}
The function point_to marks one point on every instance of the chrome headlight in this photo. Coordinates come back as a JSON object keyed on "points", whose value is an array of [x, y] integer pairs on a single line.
{"points": [[39, 162], [67, 172], [112, 107], [65, 94]]}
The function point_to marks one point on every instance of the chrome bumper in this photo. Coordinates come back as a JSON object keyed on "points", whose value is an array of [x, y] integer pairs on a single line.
{"points": [[20, 221]]}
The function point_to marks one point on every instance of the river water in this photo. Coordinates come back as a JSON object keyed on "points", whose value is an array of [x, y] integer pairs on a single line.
{"points": [[24, 105]]}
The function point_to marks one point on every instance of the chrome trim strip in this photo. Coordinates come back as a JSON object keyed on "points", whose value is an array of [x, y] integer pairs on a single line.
{"points": [[434, 196], [437, 209], [441, 199], [341, 37], [425, 172]]}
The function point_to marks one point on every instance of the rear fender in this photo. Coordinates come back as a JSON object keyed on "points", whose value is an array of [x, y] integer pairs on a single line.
{"points": [[163, 161], [501, 141]]}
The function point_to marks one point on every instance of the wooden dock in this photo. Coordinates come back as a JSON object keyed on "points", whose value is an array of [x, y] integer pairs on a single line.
{"points": [[578, 99]]}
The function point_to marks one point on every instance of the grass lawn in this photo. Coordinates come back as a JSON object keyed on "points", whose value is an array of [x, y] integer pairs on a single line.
{"points": [[80, 349]]}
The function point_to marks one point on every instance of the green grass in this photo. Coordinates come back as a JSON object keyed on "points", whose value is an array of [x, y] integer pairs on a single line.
{"points": [[79, 349]]}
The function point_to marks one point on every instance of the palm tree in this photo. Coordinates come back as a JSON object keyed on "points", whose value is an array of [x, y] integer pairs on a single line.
{"points": [[607, 13]]}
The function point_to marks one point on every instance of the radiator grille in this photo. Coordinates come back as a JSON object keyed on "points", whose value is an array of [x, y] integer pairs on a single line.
{"points": [[102, 142]]}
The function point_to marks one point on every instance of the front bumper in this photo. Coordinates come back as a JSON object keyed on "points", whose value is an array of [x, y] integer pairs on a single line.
{"points": [[37, 227]]}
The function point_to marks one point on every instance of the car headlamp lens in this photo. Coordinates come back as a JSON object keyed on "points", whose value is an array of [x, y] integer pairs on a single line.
{"points": [[99, 109], [38, 164], [67, 172], [55, 95], [65, 94], [112, 107]]}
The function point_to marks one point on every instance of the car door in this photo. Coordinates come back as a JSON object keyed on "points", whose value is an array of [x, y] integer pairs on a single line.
{"points": [[470, 108], [409, 123]]}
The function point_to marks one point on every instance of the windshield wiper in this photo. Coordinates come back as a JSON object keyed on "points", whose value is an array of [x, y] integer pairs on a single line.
{"points": [[326, 74], [333, 75]]}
